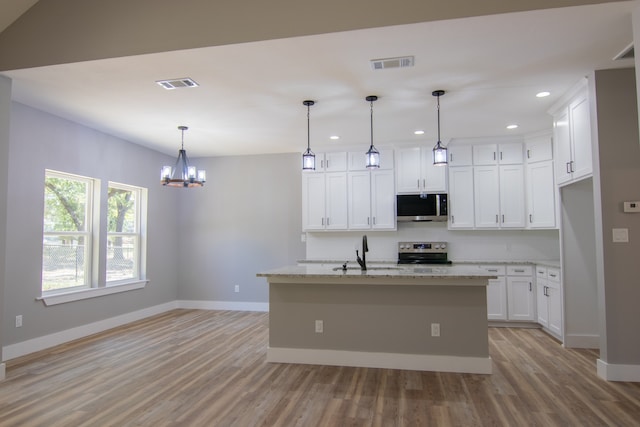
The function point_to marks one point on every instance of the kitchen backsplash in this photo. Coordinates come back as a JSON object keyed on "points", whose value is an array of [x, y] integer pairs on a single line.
{"points": [[496, 245]]}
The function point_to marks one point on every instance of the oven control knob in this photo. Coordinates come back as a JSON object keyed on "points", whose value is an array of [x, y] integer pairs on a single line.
{"points": [[443, 246], [401, 246]]}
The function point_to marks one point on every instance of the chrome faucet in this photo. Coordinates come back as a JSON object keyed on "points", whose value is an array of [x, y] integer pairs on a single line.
{"points": [[365, 248]]}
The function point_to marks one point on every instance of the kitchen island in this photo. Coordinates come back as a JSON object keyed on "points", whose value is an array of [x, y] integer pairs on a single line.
{"points": [[418, 318]]}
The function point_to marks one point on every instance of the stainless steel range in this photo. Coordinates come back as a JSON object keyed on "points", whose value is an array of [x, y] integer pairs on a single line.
{"points": [[423, 253]]}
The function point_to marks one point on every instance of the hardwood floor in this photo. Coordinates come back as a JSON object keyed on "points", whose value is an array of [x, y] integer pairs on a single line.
{"points": [[207, 368]]}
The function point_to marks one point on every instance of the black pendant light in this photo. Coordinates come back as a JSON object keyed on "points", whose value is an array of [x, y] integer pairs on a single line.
{"points": [[439, 152], [373, 155], [308, 158], [188, 177]]}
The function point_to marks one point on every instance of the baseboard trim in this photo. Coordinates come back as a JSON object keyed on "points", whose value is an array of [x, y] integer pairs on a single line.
{"points": [[414, 362], [224, 305], [42, 343], [613, 372], [2, 371], [581, 341]]}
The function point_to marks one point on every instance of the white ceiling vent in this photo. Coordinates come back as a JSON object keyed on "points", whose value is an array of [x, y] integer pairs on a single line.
{"points": [[177, 83], [399, 62], [627, 52]]}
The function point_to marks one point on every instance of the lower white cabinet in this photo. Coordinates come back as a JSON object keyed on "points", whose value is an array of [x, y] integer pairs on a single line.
{"points": [[511, 296], [496, 293], [549, 300], [520, 293]]}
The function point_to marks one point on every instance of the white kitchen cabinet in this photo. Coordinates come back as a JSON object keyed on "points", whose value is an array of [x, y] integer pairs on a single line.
{"points": [[520, 293], [493, 154], [572, 137], [496, 293], [332, 161], [460, 155], [460, 201], [549, 300], [539, 148], [540, 190], [512, 207], [357, 161], [486, 196], [371, 198], [324, 201], [415, 172]]}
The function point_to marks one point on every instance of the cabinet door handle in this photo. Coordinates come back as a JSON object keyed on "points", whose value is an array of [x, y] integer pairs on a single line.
{"points": [[494, 155], [451, 157], [568, 167], [418, 183], [322, 220], [327, 220], [492, 270], [453, 219], [374, 220], [546, 291], [528, 154], [327, 164], [530, 218], [529, 286], [572, 169], [503, 218], [368, 223], [424, 183], [552, 275], [496, 218], [518, 270], [501, 155]]}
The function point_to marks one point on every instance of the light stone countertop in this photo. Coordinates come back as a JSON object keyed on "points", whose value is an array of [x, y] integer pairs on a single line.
{"points": [[377, 271], [545, 263]]}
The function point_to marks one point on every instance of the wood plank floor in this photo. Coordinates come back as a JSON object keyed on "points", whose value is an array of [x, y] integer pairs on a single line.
{"points": [[207, 368]]}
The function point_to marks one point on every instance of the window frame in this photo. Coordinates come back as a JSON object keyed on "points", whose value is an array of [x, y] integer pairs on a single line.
{"points": [[137, 234], [88, 233]]}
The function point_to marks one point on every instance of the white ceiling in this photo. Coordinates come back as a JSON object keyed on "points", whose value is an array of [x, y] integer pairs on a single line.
{"points": [[250, 95]]}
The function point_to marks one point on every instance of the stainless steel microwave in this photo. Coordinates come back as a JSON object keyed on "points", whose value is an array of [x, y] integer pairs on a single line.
{"points": [[421, 207]]}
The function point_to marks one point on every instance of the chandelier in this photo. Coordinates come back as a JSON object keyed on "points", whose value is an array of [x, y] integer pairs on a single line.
{"points": [[188, 175]]}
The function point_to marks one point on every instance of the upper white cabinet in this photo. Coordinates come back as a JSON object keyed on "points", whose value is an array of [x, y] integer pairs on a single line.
{"points": [[493, 154], [460, 201], [572, 137], [332, 162], [371, 196], [512, 200], [324, 201], [540, 183], [357, 160], [415, 171], [538, 149], [334, 199], [460, 155]]}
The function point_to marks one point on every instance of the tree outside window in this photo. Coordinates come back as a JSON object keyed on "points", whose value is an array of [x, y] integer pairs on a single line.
{"points": [[123, 232], [66, 258]]}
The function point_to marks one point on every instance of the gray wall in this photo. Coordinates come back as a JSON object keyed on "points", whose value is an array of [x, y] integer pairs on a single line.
{"points": [[5, 116], [246, 219], [617, 179], [39, 141]]}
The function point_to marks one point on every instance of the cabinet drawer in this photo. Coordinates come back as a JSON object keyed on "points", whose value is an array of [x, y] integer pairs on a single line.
{"points": [[498, 270], [553, 275], [519, 270]]}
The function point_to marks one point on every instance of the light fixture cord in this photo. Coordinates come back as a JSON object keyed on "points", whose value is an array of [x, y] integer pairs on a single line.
{"points": [[182, 138], [308, 129], [438, 117], [371, 123]]}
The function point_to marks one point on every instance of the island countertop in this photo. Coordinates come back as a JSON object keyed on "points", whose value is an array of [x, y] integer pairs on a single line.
{"points": [[377, 272]]}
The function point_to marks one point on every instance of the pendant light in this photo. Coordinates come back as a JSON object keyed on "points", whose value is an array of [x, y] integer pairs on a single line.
{"points": [[308, 158], [373, 155], [189, 176], [439, 152]]}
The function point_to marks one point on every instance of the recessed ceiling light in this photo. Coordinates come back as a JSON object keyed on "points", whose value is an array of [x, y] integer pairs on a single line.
{"points": [[334, 137], [512, 127], [419, 132], [543, 94]]}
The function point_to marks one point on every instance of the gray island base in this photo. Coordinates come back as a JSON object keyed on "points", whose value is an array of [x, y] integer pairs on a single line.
{"points": [[382, 318]]}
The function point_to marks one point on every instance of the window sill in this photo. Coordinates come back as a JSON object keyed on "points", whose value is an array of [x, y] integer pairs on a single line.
{"points": [[62, 298]]}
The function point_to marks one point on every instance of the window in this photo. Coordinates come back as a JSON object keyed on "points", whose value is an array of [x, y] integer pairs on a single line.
{"points": [[67, 232], [123, 233]]}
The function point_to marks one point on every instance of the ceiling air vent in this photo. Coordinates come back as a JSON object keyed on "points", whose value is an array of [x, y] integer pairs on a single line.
{"points": [[626, 53], [177, 83], [399, 62]]}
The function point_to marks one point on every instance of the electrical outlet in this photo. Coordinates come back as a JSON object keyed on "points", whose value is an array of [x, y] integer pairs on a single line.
{"points": [[319, 326], [236, 289], [19, 321], [435, 329]]}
